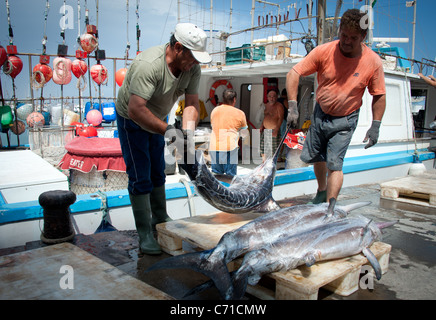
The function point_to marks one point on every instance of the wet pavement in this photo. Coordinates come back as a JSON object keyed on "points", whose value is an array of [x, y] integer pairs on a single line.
{"points": [[412, 263]]}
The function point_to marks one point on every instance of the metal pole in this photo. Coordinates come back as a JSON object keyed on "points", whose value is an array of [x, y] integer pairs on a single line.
{"points": [[413, 36], [320, 21]]}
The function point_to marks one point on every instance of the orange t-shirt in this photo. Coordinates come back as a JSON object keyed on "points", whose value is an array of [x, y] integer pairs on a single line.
{"points": [[342, 80], [226, 122]]}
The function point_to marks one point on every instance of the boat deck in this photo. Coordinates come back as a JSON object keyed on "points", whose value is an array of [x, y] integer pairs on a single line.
{"points": [[412, 262]]}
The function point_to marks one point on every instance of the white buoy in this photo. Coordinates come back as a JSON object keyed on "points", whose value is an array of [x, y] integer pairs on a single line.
{"points": [[417, 167]]}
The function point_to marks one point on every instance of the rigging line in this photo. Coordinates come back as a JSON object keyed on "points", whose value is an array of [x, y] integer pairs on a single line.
{"points": [[11, 32], [78, 21], [138, 31], [166, 20], [63, 23], [44, 38], [126, 56]]}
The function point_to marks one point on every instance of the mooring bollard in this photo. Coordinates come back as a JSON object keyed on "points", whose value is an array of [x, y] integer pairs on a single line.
{"points": [[57, 222]]}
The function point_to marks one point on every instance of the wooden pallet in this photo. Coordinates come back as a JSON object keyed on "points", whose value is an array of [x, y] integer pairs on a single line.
{"points": [[203, 232], [419, 190]]}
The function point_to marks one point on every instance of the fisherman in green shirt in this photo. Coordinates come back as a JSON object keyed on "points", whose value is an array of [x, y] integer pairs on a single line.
{"points": [[153, 83]]}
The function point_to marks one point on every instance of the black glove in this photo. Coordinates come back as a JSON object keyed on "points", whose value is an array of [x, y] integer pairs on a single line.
{"points": [[180, 139], [292, 113], [372, 134]]}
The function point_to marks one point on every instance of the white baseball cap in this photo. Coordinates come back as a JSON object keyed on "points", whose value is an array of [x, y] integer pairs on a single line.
{"points": [[193, 38]]}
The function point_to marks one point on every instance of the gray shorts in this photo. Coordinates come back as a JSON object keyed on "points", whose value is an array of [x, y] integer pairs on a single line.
{"points": [[328, 138]]}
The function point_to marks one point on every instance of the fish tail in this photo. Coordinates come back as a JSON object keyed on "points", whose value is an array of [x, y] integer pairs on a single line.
{"points": [[203, 262], [374, 262], [240, 282]]}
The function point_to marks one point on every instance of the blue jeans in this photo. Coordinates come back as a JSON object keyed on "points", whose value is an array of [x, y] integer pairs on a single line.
{"points": [[224, 162], [143, 153]]}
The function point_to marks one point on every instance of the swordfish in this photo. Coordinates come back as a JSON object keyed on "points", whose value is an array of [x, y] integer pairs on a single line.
{"points": [[249, 193], [256, 234], [334, 240]]}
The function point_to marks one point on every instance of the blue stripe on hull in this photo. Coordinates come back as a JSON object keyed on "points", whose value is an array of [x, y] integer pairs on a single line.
{"points": [[21, 211]]}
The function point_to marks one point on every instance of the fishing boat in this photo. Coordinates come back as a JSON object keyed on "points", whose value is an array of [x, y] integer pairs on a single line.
{"points": [[251, 70]]}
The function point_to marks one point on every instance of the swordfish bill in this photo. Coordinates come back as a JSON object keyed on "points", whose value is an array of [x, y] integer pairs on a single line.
{"points": [[258, 233]]}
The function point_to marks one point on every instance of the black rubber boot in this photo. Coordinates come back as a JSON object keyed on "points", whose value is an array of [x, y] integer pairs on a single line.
{"points": [[158, 204], [142, 212], [321, 196]]}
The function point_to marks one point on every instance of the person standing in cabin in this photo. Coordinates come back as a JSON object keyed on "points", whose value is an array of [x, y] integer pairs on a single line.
{"points": [[346, 67], [153, 83], [272, 120], [227, 123]]}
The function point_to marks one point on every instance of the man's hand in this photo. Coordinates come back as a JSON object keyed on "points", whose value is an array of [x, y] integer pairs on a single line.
{"points": [[183, 141], [372, 134], [292, 113]]}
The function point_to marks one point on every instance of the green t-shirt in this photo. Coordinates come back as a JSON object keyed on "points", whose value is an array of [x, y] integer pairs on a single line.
{"points": [[150, 78]]}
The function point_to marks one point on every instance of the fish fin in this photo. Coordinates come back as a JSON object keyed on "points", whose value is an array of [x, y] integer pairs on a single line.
{"points": [[199, 288], [268, 205], [373, 261], [240, 282], [309, 259], [224, 178], [215, 269], [331, 208]]}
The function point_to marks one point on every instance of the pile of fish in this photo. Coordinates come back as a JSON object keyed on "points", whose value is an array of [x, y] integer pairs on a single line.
{"points": [[282, 240]]}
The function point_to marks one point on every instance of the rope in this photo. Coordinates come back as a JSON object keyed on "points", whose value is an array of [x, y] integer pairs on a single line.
{"points": [[11, 32], [138, 31], [63, 25], [44, 38], [35, 83], [126, 56]]}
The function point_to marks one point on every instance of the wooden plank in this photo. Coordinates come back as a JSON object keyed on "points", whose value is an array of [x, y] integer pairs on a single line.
{"points": [[35, 274], [420, 189]]}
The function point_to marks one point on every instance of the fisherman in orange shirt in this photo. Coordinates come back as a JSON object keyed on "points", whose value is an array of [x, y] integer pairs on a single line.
{"points": [[228, 124], [346, 67]]}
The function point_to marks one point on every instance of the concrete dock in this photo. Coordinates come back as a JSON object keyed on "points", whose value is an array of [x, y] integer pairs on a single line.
{"points": [[410, 275]]}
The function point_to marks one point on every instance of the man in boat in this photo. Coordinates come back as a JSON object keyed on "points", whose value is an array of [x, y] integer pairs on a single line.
{"points": [[227, 121], [272, 120], [153, 83], [346, 67]]}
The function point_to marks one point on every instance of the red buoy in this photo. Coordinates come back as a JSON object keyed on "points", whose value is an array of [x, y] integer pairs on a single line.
{"points": [[13, 66], [99, 73], [120, 75]]}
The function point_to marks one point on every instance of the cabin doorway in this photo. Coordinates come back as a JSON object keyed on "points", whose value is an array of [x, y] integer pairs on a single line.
{"points": [[252, 103]]}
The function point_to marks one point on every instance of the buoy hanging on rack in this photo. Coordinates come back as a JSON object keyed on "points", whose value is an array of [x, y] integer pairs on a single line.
{"points": [[79, 67], [35, 119], [62, 70], [99, 74], [3, 55], [42, 72], [120, 75], [88, 41], [13, 64]]}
